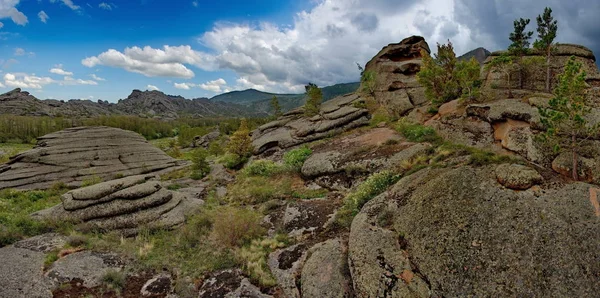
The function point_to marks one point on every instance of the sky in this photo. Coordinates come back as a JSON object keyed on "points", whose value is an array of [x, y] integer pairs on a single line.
{"points": [[98, 49]]}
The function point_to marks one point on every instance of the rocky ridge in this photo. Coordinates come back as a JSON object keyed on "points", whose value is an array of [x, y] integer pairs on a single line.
{"points": [[76, 155]]}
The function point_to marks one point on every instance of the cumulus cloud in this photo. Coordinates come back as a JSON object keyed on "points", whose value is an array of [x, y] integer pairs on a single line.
{"points": [[215, 86], [97, 78], [184, 86], [43, 16], [8, 10], [59, 71], [2, 86], [68, 80], [166, 62], [68, 3], [105, 6], [19, 52], [152, 87], [323, 43], [22, 80]]}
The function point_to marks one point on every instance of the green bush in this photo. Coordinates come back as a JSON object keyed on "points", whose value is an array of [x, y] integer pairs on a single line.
{"points": [[259, 189], [266, 168], [296, 158], [417, 132], [232, 161], [234, 227], [200, 167], [373, 186]]}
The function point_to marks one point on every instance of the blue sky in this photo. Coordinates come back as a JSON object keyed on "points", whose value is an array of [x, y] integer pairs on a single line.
{"points": [[103, 49]]}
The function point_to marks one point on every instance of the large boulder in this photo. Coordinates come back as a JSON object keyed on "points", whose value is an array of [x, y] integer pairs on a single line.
{"points": [[124, 204], [76, 155], [535, 79], [293, 128], [461, 234], [326, 273], [395, 68]]}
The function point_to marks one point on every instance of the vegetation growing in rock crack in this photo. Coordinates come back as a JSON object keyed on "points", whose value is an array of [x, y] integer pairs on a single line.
{"points": [[445, 78], [565, 119]]}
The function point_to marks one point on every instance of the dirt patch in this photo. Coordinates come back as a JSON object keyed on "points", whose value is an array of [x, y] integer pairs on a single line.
{"points": [[288, 257], [132, 288]]}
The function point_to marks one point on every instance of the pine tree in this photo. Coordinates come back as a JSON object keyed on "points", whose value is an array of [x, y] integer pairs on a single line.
{"points": [[240, 143], [520, 44], [275, 106], [503, 64], [436, 74], [547, 29], [313, 100], [467, 75], [565, 119]]}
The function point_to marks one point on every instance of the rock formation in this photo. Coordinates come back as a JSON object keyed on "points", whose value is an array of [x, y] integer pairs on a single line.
{"points": [[535, 78], [293, 128], [456, 232], [480, 54], [395, 68], [76, 155], [205, 140], [125, 204]]}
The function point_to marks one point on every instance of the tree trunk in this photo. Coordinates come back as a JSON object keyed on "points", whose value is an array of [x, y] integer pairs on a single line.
{"points": [[548, 72], [573, 144]]}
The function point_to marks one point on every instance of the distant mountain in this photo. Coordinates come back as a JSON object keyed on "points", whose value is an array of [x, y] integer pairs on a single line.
{"points": [[247, 103], [480, 55]]}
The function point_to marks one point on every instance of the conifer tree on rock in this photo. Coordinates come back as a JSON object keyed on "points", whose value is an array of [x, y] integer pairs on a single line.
{"points": [[547, 28], [313, 100], [275, 106], [240, 143], [520, 44]]}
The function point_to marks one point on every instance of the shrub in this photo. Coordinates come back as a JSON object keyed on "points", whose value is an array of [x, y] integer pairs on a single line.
{"points": [[380, 115], [236, 226], [200, 167], [259, 189], [254, 259], [480, 158], [232, 161], [367, 82], [216, 147], [417, 132], [373, 186], [296, 158], [266, 168], [114, 280], [313, 101]]}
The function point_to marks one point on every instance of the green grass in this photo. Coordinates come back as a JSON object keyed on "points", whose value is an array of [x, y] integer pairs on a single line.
{"points": [[417, 132], [265, 168], [15, 207], [295, 158], [11, 149]]}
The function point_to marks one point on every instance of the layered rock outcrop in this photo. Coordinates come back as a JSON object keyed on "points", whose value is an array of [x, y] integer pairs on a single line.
{"points": [[394, 71], [124, 204], [80, 154], [456, 232], [294, 128]]}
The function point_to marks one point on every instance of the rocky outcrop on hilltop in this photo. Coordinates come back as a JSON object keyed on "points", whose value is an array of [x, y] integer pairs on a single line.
{"points": [[458, 232], [395, 83], [535, 78], [293, 128], [124, 204], [480, 54], [73, 156]]}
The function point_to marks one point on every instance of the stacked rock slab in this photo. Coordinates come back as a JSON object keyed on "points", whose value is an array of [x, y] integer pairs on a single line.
{"points": [[536, 79], [124, 204], [395, 68], [294, 128], [74, 155]]}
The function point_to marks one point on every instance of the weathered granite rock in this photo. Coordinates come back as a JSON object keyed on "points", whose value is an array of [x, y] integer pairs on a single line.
{"points": [[158, 285], [75, 155], [464, 235], [588, 168], [395, 68], [205, 140], [326, 273], [21, 269], [229, 284], [505, 109], [286, 265], [517, 177], [87, 266], [536, 78], [124, 204], [467, 131], [293, 128]]}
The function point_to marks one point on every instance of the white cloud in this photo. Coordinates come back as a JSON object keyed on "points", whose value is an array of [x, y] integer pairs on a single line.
{"points": [[97, 78], [8, 10], [184, 86], [43, 16], [2, 86], [22, 80], [68, 3], [215, 86], [152, 87], [68, 80], [105, 6], [59, 71], [195, 3], [19, 52], [1, 25], [166, 62], [321, 46]]}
